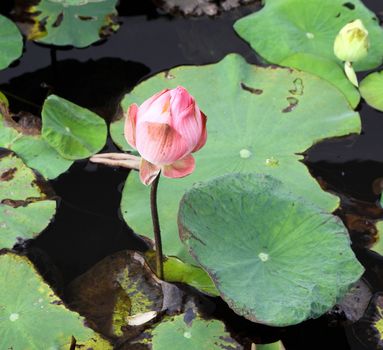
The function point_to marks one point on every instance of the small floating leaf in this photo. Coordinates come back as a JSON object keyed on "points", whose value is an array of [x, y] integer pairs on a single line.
{"points": [[187, 332], [31, 315], [71, 22], [175, 270], [274, 257], [287, 27], [11, 42], [247, 132], [74, 132], [371, 89], [25, 210], [33, 150]]}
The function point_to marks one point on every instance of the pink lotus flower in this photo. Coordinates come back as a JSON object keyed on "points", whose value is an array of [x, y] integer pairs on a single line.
{"points": [[165, 130]]}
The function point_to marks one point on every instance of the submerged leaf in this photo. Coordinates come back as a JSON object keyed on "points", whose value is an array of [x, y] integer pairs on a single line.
{"points": [[274, 257], [11, 42], [73, 131], [31, 315], [117, 292], [369, 329], [25, 209], [259, 120], [353, 306]]}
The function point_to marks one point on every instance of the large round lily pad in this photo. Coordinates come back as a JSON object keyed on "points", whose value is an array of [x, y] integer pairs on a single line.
{"points": [[286, 27], [11, 42], [32, 317], [33, 150], [259, 120], [371, 89], [187, 332], [73, 131], [25, 210], [275, 258], [79, 23]]}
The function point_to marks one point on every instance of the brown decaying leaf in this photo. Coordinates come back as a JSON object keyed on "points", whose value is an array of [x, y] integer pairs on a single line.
{"points": [[117, 291]]}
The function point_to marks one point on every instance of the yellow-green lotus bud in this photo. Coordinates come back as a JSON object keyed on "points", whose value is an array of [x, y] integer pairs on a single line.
{"points": [[351, 43]]}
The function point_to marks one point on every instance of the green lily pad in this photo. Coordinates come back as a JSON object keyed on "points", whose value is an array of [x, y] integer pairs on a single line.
{"points": [[369, 329], [371, 89], [286, 27], [39, 155], [259, 120], [79, 23], [11, 42], [117, 288], [25, 210], [274, 257], [327, 70], [29, 145], [74, 132], [32, 317], [177, 271], [116, 130], [187, 332]]}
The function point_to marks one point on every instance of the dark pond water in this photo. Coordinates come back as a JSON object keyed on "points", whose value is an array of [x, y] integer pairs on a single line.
{"points": [[87, 226]]}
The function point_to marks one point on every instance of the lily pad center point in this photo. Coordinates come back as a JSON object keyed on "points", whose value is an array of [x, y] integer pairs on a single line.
{"points": [[244, 153], [263, 256], [310, 35], [14, 317], [187, 335]]}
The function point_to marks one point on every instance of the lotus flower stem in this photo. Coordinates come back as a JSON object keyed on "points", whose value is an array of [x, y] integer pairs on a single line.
{"points": [[156, 228]]}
